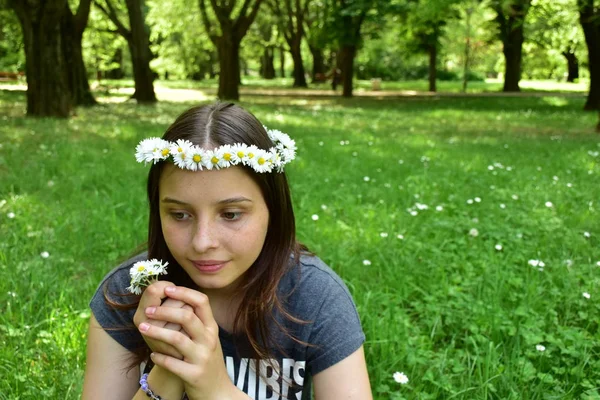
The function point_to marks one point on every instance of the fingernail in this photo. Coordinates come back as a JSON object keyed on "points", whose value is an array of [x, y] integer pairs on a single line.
{"points": [[144, 327], [170, 289], [150, 310]]}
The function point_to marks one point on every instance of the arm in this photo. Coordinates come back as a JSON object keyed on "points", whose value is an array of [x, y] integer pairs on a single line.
{"points": [[346, 380]]}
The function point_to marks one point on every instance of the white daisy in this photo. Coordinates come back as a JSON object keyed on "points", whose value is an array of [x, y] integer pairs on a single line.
{"points": [[586, 234], [498, 247], [474, 232], [44, 254], [260, 162], [225, 155], [250, 154], [540, 347], [238, 152], [366, 262], [315, 217], [549, 204], [196, 159], [401, 378], [211, 161], [586, 295]]}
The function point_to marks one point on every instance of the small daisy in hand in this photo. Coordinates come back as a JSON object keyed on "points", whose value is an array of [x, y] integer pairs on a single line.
{"points": [[144, 273]]}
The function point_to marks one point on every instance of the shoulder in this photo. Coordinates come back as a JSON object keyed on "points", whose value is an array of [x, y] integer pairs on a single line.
{"points": [[310, 284]]}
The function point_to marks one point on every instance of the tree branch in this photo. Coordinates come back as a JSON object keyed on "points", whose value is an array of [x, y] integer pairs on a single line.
{"points": [[206, 21], [112, 15]]}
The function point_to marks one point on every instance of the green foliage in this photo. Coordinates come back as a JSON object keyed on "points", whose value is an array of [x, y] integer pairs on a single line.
{"points": [[459, 317], [12, 54]]}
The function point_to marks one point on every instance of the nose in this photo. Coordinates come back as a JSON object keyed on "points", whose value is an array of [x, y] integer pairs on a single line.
{"points": [[205, 237]]}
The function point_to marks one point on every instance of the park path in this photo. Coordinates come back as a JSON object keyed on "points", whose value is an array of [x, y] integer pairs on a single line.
{"points": [[173, 94]]}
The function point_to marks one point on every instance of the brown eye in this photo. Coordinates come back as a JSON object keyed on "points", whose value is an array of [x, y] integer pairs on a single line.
{"points": [[231, 216]]}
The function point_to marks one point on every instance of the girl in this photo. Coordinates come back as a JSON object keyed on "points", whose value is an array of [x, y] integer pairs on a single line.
{"points": [[245, 311]]}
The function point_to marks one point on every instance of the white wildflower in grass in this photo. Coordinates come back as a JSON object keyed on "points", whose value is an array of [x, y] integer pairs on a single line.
{"points": [[586, 295], [474, 232], [366, 262], [144, 273], [2, 203], [569, 185], [421, 206], [555, 178], [498, 247], [515, 197], [470, 201], [492, 187], [598, 264], [401, 378], [401, 237], [490, 167], [549, 204], [323, 207], [400, 161], [509, 169], [10, 215], [439, 208], [383, 234], [569, 263], [366, 179], [503, 206], [321, 143], [315, 217], [540, 347], [50, 183], [519, 235], [536, 263], [413, 213], [477, 199], [44, 254], [586, 234]]}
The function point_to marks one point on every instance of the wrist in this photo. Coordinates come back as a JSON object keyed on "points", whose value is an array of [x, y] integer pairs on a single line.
{"points": [[165, 384]]}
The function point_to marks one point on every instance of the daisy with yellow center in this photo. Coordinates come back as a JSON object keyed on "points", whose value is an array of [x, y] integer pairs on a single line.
{"points": [[144, 273]]}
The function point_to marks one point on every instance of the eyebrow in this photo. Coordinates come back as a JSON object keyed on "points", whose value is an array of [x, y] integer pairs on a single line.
{"points": [[239, 199]]}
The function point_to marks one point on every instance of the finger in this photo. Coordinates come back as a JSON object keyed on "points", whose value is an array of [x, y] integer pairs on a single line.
{"points": [[176, 366], [178, 340], [198, 301], [168, 302], [152, 296], [186, 318]]}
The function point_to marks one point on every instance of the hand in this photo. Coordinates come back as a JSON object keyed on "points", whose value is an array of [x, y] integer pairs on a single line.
{"points": [[152, 297], [202, 368]]}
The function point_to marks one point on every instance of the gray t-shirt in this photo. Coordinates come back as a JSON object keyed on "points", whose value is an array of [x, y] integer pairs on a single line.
{"points": [[311, 292]]}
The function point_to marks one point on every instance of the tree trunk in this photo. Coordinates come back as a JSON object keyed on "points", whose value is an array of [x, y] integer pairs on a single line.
{"points": [[139, 46], [282, 62], [318, 62], [432, 50], [229, 68], [48, 92], [72, 34], [347, 54], [299, 77], [591, 31], [572, 65], [267, 67], [513, 51]]}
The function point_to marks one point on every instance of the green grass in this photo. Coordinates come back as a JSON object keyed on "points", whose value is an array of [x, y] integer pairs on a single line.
{"points": [[459, 317]]}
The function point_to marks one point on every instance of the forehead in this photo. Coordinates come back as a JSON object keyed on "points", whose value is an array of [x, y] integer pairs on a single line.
{"points": [[213, 185]]}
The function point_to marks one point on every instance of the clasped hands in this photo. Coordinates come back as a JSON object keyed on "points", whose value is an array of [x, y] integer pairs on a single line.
{"points": [[184, 338]]}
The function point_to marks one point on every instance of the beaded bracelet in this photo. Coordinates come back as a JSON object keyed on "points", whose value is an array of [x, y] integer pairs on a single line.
{"points": [[146, 388]]}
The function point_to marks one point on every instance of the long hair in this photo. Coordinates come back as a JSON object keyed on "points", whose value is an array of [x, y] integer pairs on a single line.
{"points": [[212, 126]]}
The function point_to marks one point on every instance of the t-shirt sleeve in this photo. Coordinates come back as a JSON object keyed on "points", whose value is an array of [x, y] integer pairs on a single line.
{"points": [[336, 331], [112, 306]]}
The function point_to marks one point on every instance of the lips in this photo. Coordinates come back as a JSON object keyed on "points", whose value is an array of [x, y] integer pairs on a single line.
{"points": [[209, 266]]}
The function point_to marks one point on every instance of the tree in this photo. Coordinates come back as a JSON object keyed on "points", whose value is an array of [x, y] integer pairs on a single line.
{"points": [[510, 17], [138, 40], [589, 17], [554, 32], [349, 16], [48, 91], [290, 19], [232, 30], [72, 27], [318, 36]]}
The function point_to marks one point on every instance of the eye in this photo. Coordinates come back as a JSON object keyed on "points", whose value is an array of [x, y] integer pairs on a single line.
{"points": [[179, 215], [231, 215]]}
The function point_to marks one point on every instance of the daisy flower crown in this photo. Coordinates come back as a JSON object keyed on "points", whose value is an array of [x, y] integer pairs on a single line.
{"points": [[188, 156]]}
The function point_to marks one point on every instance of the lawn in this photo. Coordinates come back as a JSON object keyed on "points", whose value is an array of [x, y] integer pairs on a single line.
{"points": [[436, 212]]}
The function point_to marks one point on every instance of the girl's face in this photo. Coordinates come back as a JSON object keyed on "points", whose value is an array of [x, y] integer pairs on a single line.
{"points": [[214, 223]]}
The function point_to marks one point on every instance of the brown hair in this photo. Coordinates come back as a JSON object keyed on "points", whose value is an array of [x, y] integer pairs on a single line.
{"points": [[212, 126]]}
